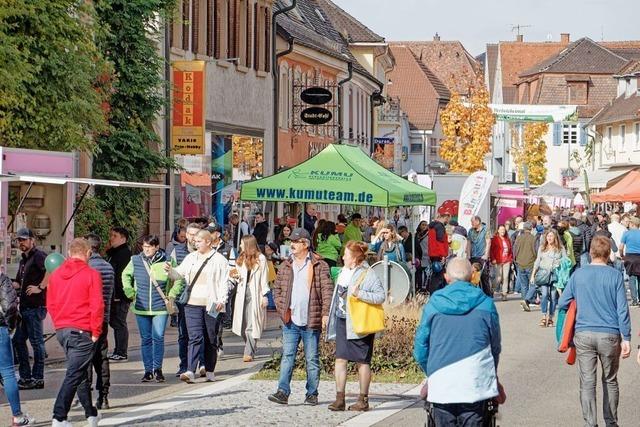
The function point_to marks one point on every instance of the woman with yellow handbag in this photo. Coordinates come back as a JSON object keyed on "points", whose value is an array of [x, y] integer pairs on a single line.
{"points": [[355, 316]]}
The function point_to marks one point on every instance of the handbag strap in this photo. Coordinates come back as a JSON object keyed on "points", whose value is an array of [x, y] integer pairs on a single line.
{"points": [[153, 281], [195, 278]]}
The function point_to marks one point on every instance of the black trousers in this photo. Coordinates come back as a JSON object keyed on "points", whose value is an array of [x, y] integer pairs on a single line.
{"points": [[118, 322], [78, 348], [100, 363], [202, 334]]}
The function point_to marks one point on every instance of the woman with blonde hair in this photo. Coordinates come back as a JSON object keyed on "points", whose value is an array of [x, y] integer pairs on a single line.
{"points": [[251, 277], [387, 242], [358, 280], [549, 256]]}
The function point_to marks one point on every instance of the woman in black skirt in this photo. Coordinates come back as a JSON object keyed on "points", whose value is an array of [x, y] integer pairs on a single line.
{"points": [[357, 279]]}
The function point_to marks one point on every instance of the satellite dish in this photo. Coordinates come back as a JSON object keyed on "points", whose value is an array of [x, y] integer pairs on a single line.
{"points": [[399, 282]]}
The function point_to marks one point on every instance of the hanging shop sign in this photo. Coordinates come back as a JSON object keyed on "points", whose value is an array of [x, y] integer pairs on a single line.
{"points": [[188, 125], [316, 115], [316, 95]]}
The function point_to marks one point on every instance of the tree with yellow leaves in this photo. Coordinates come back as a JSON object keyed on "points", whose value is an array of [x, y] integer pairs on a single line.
{"points": [[467, 125], [532, 152]]}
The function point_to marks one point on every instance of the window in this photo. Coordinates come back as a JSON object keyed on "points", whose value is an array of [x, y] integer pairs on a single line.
{"points": [[623, 136], [636, 132], [610, 136], [570, 134], [433, 146], [577, 92], [211, 17], [415, 148], [267, 40]]}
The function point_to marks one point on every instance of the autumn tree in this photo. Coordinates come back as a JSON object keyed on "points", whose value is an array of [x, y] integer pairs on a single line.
{"points": [[467, 125], [532, 152]]}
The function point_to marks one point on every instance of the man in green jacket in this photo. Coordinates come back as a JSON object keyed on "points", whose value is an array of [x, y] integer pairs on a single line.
{"points": [[353, 231]]}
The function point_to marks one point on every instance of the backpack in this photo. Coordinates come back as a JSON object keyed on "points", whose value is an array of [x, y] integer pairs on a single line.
{"points": [[579, 246]]}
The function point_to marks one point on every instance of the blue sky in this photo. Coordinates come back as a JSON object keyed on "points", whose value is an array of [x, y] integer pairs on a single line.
{"points": [[476, 22]]}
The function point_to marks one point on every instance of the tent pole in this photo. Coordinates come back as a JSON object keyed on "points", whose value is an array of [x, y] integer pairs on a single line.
{"points": [[239, 228], [413, 254], [75, 210]]}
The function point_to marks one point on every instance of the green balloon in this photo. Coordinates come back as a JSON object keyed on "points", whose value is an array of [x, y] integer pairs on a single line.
{"points": [[53, 261]]}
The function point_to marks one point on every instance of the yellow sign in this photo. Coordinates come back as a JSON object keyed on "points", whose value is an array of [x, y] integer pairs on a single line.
{"points": [[187, 132]]}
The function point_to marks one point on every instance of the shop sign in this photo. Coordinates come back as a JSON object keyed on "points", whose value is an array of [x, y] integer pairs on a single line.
{"points": [[188, 124], [316, 95], [316, 115]]}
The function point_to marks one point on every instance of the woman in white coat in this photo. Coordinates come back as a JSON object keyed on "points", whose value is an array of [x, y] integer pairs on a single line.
{"points": [[252, 286]]}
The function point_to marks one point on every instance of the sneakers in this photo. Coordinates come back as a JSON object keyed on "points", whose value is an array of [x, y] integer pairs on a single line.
{"points": [[102, 402], [180, 372], [247, 359], [203, 372], [56, 423], [220, 352], [210, 377], [118, 357], [279, 397], [525, 305], [188, 377], [93, 421], [29, 384], [159, 376], [311, 400], [23, 420], [148, 377]]}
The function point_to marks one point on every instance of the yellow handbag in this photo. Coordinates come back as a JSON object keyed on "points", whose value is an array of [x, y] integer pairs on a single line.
{"points": [[366, 318]]}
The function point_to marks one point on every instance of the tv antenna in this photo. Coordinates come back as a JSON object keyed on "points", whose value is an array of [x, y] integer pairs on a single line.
{"points": [[518, 27]]}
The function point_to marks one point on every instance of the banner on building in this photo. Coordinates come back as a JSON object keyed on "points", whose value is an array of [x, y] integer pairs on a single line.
{"points": [[383, 151], [188, 124], [535, 113], [473, 193]]}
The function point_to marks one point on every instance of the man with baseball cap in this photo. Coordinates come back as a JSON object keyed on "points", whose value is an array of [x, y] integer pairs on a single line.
{"points": [[30, 287], [302, 292]]}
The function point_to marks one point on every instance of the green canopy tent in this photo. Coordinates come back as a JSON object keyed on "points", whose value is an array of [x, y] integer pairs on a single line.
{"points": [[339, 174]]}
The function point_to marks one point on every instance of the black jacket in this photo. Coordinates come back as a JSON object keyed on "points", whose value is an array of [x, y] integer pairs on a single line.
{"points": [[106, 274], [31, 272], [8, 303], [260, 232], [119, 258]]}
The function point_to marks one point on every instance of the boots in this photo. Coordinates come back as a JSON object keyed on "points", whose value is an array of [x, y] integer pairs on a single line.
{"points": [[102, 402], [362, 404], [339, 404]]}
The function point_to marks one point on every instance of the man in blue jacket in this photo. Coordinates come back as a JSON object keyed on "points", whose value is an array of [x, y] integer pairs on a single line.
{"points": [[457, 345]]}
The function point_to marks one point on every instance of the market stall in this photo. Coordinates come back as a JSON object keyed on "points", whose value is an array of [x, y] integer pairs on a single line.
{"points": [[626, 190]]}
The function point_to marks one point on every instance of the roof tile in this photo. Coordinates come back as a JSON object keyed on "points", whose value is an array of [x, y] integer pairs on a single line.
{"points": [[619, 110], [347, 25]]}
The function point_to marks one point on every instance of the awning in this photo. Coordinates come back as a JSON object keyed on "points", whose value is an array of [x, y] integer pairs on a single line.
{"points": [[599, 179], [551, 189], [626, 190], [44, 179], [339, 174]]}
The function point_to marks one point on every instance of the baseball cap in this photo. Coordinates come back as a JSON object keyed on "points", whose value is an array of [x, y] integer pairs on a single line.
{"points": [[24, 233], [299, 233]]}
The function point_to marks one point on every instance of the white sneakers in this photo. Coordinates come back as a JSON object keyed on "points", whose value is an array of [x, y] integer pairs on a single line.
{"points": [[93, 421], [203, 371], [210, 377], [188, 377], [56, 423]]}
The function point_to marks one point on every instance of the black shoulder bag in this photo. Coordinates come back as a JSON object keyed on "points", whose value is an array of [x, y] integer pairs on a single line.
{"points": [[186, 292]]}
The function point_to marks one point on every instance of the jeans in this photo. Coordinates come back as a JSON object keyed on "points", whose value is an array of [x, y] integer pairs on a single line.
{"points": [[548, 293], [292, 334], [118, 322], [202, 337], [183, 339], [522, 281], [633, 288], [31, 328], [7, 372], [152, 340], [78, 347], [459, 414], [591, 346], [100, 363]]}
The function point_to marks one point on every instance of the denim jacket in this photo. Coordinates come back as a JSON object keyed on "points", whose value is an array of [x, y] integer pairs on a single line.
{"points": [[371, 291]]}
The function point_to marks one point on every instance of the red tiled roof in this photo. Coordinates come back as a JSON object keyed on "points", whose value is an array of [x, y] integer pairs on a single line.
{"points": [[619, 110], [448, 60], [632, 67], [347, 25], [419, 90]]}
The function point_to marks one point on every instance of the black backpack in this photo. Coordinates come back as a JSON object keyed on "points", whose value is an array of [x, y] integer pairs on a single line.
{"points": [[578, 243]]}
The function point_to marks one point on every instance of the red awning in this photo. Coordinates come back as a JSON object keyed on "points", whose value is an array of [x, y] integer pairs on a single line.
{"points": [[626, 190]]}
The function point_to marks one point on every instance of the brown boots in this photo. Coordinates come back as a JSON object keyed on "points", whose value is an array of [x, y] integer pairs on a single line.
{"points": [[362, 404], [339, 404]]}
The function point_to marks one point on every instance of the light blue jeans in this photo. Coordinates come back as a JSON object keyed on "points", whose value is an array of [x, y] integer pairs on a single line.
{"points": [[8, 373], [292, 334], [152, 340], [544, 300]]}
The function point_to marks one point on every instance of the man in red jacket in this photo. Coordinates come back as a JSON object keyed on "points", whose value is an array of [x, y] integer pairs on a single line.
{"points": [[74, 301]]}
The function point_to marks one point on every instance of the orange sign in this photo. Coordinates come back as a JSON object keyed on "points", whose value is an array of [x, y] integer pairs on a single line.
{"points": [[187, 133]]}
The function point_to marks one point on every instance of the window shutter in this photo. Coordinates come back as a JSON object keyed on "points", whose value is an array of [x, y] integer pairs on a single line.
{"points": [[584, 136], [557, 134], [195, 26], [185, 25], [210, 35]]}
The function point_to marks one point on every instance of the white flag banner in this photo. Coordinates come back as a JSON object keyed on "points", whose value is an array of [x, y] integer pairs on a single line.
{"points": [[473, 193]]}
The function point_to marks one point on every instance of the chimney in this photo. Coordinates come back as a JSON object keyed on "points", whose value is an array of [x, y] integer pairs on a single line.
{"points": [[520, 38], [436, 38], [565, 38]]}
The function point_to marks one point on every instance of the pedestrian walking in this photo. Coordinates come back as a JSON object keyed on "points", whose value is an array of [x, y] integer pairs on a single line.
{"points": [[602, 330], [438, 244], [356, 280], [388, 243], [204, 272], [458, 346], [329, 244], [8, 324], [147, 284], [261, 228], [302, 294], [479, 247], [32, 291], [630, 252], [100, 361], [501, 256], [284, 237], [119, 255], [524, 252], [75, 303], [543, 275], [251, 278], [422, 255]]}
